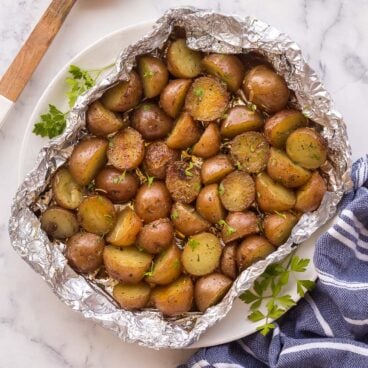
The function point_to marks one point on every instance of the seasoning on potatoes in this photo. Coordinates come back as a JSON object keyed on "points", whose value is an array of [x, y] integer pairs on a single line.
{"points": [[228, 264], [278, 227], [238, 225], [87, 159], [59, 223], [209, 205], [84, 252], [215, 169], [209, 143], [132, 296], [237, 191]]}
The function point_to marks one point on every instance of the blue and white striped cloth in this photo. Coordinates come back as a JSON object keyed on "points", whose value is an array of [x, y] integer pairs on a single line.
{"points": [[329, 327]]}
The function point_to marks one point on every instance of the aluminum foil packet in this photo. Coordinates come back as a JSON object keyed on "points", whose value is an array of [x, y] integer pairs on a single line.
{"points": [[210, 32]]}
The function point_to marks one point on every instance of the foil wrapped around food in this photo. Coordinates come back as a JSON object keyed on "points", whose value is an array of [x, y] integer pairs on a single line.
{"points": [[210, 32]]}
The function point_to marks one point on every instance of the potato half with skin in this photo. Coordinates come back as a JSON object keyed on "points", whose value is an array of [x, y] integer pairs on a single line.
{"points": [[266, 89], [59, 223], [172, 98], [272, 196], [240, 119], [278, 226], [132, 296], [201, 254], [67, 193], [310, 195], [227, 67], [125, 95], [183, 62], [228, 264], [87, 159], [187, 220], [209, 205], [210, 289], [126, 149], [252, 249], [238, 225], [183, 181], [153, 201], [84, 252], [279, 126], [207, 99], [209, 143], [237, 191], [281, 169], [101, 121], [126, 228], [156, 236], [175, 298], [250, 151], [96, 214], [127, 265], [306, 148], [154, 75], [215, 169]]}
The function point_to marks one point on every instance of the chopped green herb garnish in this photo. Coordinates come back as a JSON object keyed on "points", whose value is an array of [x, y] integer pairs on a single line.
{"points": [[150, 272], [280, 214], [193, 244], [238, 165], [118, 179], [190, 167], [199, 92], [221, 189], [174, 215], [148, 74], [229, 230]]}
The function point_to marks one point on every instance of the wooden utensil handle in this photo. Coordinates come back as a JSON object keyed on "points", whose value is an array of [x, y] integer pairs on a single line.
{"points": [[31, 53]]}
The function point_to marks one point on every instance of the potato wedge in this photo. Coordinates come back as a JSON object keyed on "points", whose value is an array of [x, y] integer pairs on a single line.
{"points": [[209, 205], [278, 227], [238, 225], [59, 223], [209, 143], [228, 264], [132, 296], [215, 169]]}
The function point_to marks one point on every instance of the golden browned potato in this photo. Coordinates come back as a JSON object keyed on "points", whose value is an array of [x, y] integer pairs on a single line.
{"points": [[101, 121], [250, 151], [127, 264], [132, 296], [272, 196], [96, 214], [279, 126], [126, 149], [240, 119], [125, 95], [278, 226], [209, 143], [187, 220], [207, 99], [238, 225], [310, 195], [126, 228], [153, 201], [87, 159], [67, 192], [266, 89], [209, 205], [210, 289], [237, 191], [172, 98], [183, 181], [252, 249], [280, 168], [186, 132], [59, 223], [215, 169], [154, 75], [151, 121], [228, 261], [84, 252], [183, 62], [306, 148], [227, 67], [175, 298], [156, 236], [201, 254]]}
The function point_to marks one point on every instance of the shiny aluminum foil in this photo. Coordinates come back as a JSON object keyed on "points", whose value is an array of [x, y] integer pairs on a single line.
{"points": [[206, 31]]}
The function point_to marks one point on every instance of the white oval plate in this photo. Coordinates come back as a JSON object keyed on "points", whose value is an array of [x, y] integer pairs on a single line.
{"points": [[104, 52]]}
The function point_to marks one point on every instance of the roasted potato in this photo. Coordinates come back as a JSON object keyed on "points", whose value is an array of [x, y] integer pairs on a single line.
{"points": [[59, 223], [152, 201], [215, 169], [266, 89], [278, 226], [126, 149], [209, 143], [96, 214], [87, 159], [306, 148], [228, 264], [272, 196], [132, 296], [209, 205], [125, 95], [238, 225], [237, 191], [210, 289], [250, 151], [201, 254], [84, 252]]}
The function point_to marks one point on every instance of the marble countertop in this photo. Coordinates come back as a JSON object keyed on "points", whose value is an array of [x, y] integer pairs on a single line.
{"points": [[36, 330]]}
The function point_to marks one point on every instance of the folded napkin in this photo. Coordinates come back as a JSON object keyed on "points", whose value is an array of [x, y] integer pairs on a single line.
{"points": [[329, 327]]}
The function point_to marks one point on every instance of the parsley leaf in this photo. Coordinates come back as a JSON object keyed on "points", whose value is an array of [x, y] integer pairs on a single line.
{"points": [[51, 124], [80, 83], [228, 229], [193, 244]]}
